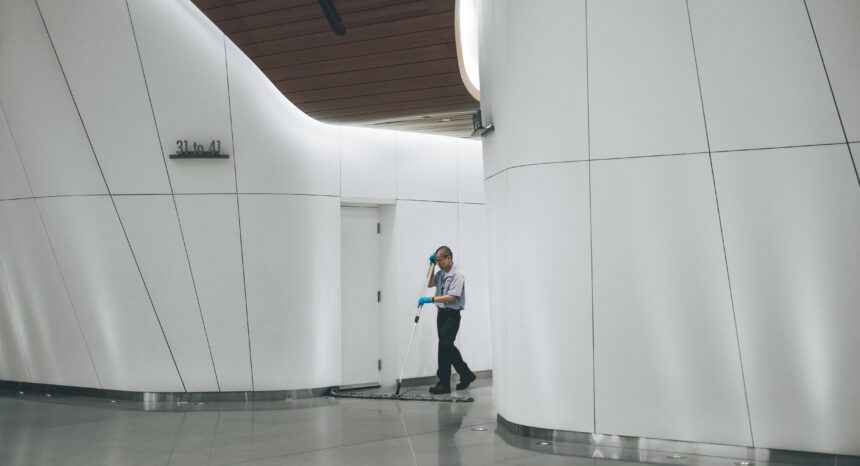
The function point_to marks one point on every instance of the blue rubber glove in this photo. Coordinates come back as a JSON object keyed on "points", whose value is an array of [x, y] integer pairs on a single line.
{"points": [[425, 300], [433, 259]]}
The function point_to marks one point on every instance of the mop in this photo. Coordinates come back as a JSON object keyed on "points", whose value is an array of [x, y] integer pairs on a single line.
{"points": [[396, 395]]}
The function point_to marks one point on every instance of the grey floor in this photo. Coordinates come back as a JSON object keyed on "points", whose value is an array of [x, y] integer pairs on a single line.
{"points": [[38, 430]]}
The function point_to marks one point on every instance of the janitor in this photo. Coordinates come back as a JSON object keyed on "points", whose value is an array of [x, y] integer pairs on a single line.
{"points": [[450, 299]]}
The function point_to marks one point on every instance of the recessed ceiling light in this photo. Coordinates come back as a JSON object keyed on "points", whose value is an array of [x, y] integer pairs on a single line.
{"points": [[544, 443], [446, 119], [677, 457], [744, 463], [479, 429]]}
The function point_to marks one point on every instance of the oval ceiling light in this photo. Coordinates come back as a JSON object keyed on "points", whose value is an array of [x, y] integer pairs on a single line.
{"points": [[466, 32]]}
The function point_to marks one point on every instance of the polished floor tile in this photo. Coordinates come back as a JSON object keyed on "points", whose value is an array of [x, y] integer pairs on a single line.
{"points": [[72, 430]]}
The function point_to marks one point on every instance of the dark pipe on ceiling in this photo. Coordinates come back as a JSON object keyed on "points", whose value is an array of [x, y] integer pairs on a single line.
{"points": [[333, 17]]}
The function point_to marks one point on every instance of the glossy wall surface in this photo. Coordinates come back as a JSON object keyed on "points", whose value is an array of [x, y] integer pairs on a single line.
{"points": [[123, 269], [673, 210]]}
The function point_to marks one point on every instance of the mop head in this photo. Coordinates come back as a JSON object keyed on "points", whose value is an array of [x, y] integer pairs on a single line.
{"points": [[405, 397]]}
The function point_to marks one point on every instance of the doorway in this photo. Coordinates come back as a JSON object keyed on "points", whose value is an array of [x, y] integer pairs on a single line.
{"points": [[360, 296]]}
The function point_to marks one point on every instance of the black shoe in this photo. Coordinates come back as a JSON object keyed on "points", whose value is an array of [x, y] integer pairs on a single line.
{"points": [[439, 389], [466, 380]]}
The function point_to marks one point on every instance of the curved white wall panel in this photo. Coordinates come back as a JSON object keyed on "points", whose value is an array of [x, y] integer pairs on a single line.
{"points": [[154, 233], [144, 292], [836, 26], [471, 255], [496, 189], [791, 227], [13, 180], [104, 283], [292, 245], [368, 169], [662, 309], [105, 75], [744, 342], [470, 172], [642, 80], [541, 86], [549, 300], [211, 227], [420, 227], [50, 333], [493, 57], [762, 80], [184, 65], [13, 363], [279, 149], [426, 167], [40, 110]]}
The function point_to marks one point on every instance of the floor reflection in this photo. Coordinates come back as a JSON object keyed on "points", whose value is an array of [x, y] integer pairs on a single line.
{"points": [[57, 430]]}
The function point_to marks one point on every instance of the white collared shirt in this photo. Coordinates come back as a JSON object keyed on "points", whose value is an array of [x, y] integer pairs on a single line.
{"points": [[451, 283]]}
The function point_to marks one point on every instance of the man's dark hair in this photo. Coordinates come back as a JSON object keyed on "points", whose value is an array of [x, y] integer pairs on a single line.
{"points": [[444, 251]]}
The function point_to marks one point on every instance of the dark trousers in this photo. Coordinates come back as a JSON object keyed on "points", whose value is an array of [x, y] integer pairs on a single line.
{"points": [[447, 326]]}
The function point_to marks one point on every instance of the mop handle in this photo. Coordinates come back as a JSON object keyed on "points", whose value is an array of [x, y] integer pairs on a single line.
{"points": [[424, 290], [408, 349], [412, 337]]}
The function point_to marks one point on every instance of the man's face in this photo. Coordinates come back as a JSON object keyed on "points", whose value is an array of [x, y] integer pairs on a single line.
{"points": [[445, 262]]}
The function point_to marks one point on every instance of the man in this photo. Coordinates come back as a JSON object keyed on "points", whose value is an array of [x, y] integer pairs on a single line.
{"points": [[450, 299]]}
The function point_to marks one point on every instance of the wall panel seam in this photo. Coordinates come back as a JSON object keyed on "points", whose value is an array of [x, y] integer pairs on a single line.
{"points": [[590, 226], [679, 154], [832, 94], [13, 312], [113, 202], [48, 236], [426, 200], [172, 194], [238, 213], [822, 144], [720, 222], [287, 194], [506, 97], [211, 194], [17, 149]]}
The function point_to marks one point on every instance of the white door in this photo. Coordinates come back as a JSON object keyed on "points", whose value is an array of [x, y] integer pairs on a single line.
{"points": [[359, 299]]}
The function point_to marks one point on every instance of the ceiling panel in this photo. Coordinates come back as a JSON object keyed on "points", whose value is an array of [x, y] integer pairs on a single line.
{"points": [[396, 66]]}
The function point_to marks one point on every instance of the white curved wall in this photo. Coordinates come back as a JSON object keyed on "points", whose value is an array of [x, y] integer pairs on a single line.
{"points": [[121, 268], [672, 212]]}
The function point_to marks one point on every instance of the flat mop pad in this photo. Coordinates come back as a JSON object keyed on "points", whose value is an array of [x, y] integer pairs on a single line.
{"points": [[404, 397]]}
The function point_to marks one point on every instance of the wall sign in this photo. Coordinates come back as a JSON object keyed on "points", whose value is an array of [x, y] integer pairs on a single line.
{"points": [[198, 151]]}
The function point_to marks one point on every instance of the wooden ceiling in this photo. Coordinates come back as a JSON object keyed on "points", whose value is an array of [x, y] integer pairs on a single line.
{"points": [[396, 67]]}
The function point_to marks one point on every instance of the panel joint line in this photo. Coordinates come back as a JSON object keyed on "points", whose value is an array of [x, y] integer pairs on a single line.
{"points": [[720, 222], [832, 94], [172, 195]]}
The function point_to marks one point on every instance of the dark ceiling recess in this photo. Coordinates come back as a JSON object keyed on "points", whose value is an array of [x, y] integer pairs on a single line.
{"points": [[395, 67]]}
